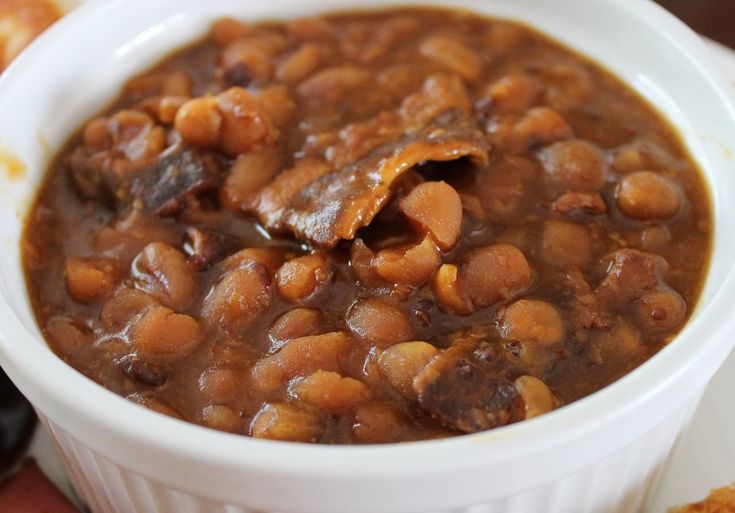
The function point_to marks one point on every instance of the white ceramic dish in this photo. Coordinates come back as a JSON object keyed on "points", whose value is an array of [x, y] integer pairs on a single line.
{"points": [[599, 455]]}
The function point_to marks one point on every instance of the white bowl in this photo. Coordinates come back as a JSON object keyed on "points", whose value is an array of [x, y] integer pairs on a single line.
{"points": [[601, 454]]}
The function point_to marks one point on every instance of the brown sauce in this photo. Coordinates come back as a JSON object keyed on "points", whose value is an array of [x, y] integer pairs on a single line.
{"points": [[368, 227]]}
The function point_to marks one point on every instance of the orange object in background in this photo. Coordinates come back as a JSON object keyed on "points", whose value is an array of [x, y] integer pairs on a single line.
{"points": [[29, 491], [20, 22], [719, 501]]}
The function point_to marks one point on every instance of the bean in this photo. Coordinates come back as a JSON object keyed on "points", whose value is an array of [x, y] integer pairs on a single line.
{"points": [[587, 202], [330, 392], [446, 290], [361, 263], [504, 186], [227, 30], [412, 266], [436, 209], [168, 275], [302, 278], [300, 357], [288, 423], [135, 135], [566, 244], [89, 280], [251, 53], [660, 310], [540, 125], [300, 64], [176, 83], [574, 164], [269, 258], [402, 362], [248, 175], [379, 322], [167, 108], [161, 335], [296, 323], [97, 134], [530, 320], [220, 384], [640, 155], [237, 299], [494, 273], [380, 423], [620, 343], [245, 124], [222, 418], [68, 336], [153, 403], [439, 94], [453, 54], [648, 196], [513, 93], [199, 122], [125, 304], [309, 29], [331, 85], [277, 103], [539, 399]]}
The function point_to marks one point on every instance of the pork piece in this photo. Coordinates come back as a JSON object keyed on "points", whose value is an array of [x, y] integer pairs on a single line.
{"points": [[469, 390], [160, 187], [587, 310], [163, 187], [338, 202], [630, 274], [209, 247]]}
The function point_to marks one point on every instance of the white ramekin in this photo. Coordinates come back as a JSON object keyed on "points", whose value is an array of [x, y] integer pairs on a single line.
{"points": [[601, 454]]}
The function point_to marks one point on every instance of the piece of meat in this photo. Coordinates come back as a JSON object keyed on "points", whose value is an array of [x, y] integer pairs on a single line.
{"points": [[630, 273], [159, 188], [335, 204], [469, 391], [29, 491], [163, 187], [209, 247], [587, 311]]}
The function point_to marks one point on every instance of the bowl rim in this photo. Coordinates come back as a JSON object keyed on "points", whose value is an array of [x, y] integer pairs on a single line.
{"points": [[580, 419]]}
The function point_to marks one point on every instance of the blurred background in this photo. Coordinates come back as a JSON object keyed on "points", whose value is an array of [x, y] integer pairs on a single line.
{"points": [[713, 18]]}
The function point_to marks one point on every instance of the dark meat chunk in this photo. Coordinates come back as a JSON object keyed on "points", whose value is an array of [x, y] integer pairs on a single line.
{"points": [[630, 274], [468, 393], [160, 187], [586, 309], [163, 187], [336, 204], [207, 247]]}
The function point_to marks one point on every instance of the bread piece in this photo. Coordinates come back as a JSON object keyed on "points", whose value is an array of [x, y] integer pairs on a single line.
{"points": [[719, 501]]}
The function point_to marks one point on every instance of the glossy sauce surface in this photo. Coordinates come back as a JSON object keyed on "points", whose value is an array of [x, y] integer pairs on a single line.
{"points": [[366, 228]]}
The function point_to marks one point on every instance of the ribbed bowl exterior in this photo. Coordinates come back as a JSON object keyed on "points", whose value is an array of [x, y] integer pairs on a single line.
{"points": [[620, 483]]}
